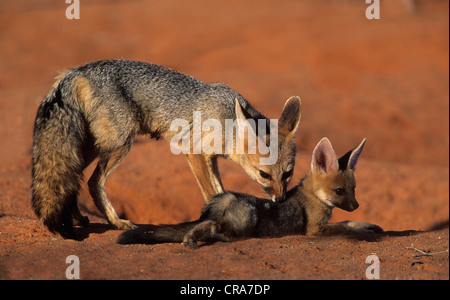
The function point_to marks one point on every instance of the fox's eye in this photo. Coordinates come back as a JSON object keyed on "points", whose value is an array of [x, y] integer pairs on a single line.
{"points": [[265, 175], [340, 192], [287, 174]]}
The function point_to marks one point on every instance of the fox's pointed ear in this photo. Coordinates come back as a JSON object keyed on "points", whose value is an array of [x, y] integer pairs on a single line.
{"points": [[290, 117], [355, 155], [243, 125], [350, 159], [324, 159]]}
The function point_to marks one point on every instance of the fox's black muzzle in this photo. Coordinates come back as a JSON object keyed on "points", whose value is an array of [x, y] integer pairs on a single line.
{"points": [[280, 199], [348, 206]]}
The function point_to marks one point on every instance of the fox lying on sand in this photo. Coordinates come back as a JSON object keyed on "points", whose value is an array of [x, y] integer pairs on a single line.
{"points": [[96, 110], [307, 210]]}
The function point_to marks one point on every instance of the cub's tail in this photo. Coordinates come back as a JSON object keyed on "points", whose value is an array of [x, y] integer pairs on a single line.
{"points": [[153, 234]]}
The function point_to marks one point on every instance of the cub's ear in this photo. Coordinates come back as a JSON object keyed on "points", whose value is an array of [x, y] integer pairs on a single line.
{"points": [[290, 117], [350, 159], [324, 159]]}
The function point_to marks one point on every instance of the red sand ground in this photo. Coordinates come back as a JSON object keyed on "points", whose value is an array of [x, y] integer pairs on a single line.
{"points": [[386, 80]]}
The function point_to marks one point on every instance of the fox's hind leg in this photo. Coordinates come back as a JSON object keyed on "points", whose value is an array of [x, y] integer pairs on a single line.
{"points": [[77, 218], [206, 230], [107, 163], [89, 155]]}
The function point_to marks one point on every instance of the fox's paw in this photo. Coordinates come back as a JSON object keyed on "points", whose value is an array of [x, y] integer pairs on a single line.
{"points": [[190, 243], [82, 221], [365, 227], [122, 224]]}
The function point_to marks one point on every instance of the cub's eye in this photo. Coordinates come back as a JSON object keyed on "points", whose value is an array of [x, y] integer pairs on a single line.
{"points": [[286, 175], [265, 175], [340, 192]]}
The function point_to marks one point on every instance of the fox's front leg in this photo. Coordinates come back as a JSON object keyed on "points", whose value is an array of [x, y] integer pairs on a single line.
{"points": [[346, 228], [206, 172], [364, 226]]}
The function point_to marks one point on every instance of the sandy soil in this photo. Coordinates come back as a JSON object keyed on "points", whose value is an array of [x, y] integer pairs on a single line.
{"points": [[386, 80]]}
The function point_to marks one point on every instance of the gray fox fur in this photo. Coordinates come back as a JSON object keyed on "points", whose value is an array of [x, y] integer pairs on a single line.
{"points": [[96, 110]]}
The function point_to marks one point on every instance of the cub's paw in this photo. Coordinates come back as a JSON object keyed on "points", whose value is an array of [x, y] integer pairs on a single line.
{"points": [[365, 227]]}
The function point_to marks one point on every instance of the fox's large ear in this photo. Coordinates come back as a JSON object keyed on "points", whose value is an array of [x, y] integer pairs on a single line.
{"points": [[290, 117], [350, 159], [324, 159], [243, 125]]}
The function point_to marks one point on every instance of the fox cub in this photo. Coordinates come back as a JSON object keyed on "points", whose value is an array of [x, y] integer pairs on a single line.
{"points": [[229, 216], [96, 110]]}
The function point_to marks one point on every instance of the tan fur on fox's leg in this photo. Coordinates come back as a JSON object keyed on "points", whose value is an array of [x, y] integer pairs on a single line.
{"points": [[206, 173], [96, 183]]}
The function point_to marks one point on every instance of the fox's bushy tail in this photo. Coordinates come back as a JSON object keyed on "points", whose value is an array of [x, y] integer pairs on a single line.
{"points": [[57, 158], [153, 234]]}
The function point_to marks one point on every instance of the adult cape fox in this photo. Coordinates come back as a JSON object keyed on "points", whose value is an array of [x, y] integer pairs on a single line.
{"points": [[230, 216], [95, 111]]}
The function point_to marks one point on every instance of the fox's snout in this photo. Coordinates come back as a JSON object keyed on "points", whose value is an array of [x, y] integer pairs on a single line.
{"points": [[280, 199], [277, 194], [348, 205]]}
